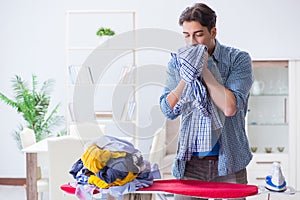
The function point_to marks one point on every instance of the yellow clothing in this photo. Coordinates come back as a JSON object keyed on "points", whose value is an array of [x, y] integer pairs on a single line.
{"points": [[94, 158], [95, 180]]}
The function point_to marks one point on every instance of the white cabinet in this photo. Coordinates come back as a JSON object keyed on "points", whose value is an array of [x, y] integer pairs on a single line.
{"points": [[268, 125], [261, 165], [271, 120], [294, 125]]}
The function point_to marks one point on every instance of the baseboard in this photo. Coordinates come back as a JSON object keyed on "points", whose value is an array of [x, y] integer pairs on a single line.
{"points": [[13, 181]]}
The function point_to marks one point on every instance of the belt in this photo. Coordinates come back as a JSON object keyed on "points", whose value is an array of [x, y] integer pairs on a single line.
{"points": [[210, 157]]}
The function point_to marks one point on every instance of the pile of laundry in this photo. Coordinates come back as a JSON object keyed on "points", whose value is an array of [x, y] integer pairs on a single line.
{"points": [[114, 166]]}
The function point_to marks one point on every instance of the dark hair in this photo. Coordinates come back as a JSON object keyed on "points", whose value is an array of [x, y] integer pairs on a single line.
{"points": [[200, 13]]}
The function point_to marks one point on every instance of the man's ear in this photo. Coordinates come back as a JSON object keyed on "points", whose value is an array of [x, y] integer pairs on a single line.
{"points": [[213, 32]]}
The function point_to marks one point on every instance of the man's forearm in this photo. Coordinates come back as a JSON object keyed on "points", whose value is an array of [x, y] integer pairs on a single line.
{"points": [[174, 96], [222, 97]]}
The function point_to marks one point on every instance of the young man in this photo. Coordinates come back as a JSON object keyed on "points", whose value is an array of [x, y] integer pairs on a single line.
{"points": [[227, 76]]}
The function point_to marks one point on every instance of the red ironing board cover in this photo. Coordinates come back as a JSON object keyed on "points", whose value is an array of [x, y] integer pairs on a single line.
{"points": [[194, 188], [203, 189], [70, 189]]}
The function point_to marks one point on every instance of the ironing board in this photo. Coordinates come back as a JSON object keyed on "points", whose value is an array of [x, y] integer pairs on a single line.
{"points": [[203, 189], [192, 188]]}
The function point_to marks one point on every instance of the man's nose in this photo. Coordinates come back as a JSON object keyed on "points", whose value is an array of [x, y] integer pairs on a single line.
{"points": [[191, 41]]}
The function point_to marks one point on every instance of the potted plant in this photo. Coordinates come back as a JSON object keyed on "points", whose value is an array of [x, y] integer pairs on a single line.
{"points": [[33, 104], [104, 33]]}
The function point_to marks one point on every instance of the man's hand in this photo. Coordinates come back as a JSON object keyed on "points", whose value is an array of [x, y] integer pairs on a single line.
{"points": [[191, 61], [188, 73]]}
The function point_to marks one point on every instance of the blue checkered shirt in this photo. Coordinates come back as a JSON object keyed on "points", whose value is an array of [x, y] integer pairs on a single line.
{"points": [[235, 68], [198, 106]]}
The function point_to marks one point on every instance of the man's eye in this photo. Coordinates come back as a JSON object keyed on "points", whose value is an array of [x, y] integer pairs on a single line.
{"points": [[186, 36], [199, 35]]}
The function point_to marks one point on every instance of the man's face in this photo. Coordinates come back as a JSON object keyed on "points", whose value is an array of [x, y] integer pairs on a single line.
{"points": [[194, 33]]}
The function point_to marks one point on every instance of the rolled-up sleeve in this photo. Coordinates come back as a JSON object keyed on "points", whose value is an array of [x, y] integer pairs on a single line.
{"points": [[172, 80], [240, 79]]}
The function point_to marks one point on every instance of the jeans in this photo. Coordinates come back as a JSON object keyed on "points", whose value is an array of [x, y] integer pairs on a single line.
{"points": [[207, 170]]}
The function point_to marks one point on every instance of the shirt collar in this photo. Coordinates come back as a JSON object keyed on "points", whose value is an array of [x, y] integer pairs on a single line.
{"points": [[216, 53]]}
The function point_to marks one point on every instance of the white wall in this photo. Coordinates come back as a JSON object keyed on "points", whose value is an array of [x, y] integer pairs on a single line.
{"points": [[32, 40]]}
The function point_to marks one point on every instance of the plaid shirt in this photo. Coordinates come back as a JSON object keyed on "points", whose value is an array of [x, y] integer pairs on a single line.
{"points": [[198, 107], [235, 68]]}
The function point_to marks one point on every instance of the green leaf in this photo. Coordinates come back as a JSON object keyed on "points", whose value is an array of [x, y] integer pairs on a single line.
{"points": [[105, 31], [8, 101]]}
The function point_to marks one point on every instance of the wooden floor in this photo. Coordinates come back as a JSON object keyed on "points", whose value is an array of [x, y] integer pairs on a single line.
{"points": [[15, 193], [12, 192]]}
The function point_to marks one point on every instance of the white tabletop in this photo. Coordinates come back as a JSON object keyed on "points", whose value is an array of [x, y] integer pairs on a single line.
{"points": [[41, 146]]}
